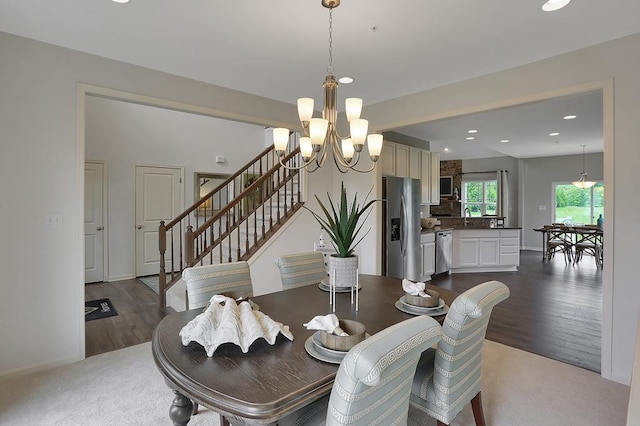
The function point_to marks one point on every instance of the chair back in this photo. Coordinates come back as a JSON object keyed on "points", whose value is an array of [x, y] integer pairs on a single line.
{"points": [[457, 373], [301, 269], [374, 380], [232, 279]]}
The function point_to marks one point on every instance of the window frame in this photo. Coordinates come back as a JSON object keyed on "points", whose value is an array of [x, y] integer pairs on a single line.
{"points": [[483, 205], [592, 214]]}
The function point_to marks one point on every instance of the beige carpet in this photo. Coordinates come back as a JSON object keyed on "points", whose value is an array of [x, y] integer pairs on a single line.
{"points": [[124, 388]]}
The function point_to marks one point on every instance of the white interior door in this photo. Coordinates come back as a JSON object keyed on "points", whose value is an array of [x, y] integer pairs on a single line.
{"points": [[93, 222], [159, 197]]}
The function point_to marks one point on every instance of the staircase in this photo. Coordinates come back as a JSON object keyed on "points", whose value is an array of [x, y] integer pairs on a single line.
{"points": [[250, 206]]}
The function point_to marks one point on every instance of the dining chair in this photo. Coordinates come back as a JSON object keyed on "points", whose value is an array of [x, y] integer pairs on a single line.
{"points": [[232, 279], [301, 269], [449, 377], [559, 239], [373, 382], [588, 240]]}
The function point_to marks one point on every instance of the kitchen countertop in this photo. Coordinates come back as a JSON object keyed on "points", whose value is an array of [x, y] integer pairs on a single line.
{"points": [[463, 228]]}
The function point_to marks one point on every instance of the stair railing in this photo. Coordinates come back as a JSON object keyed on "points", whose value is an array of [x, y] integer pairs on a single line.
{"points": [[250, 207]]}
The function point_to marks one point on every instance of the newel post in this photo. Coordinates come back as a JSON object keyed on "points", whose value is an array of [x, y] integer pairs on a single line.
{"points": [[189, 243]]}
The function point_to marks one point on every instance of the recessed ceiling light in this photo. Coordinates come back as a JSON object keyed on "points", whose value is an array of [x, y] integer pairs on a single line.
{"points": [[504, 141], [446, 149], [554, 134], [120, 1], [472, 131], [569, 117], [470, 138], [552, 5], [345, 80]]}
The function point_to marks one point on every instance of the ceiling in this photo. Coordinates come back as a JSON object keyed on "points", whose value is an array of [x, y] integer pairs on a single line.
{"points": [[279, 49]]}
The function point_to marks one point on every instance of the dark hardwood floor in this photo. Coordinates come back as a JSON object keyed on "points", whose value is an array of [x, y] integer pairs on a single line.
{"points": [[138, 315], [555, 310]]}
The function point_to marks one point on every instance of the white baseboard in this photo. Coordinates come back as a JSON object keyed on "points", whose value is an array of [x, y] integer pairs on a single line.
{"points": [[37, 368]]}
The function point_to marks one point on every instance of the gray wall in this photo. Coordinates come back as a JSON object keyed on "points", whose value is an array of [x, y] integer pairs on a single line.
{"points": [[538, 175]]}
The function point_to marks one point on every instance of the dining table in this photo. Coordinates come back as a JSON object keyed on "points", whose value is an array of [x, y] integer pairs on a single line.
{"points": [[573, 232], [270, 382]]}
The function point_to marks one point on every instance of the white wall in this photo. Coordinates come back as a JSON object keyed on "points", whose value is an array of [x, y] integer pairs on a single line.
{"points": [[613, 67], [124, 134], [538, 177], [42, 171], [41, 166]]}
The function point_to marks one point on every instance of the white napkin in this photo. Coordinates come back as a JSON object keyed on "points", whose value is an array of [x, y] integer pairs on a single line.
{"points": [[328, 323], [415, 289]]}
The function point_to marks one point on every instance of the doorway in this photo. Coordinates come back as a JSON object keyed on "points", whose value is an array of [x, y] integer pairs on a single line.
{"points": [[94, 222], [158, 197]]}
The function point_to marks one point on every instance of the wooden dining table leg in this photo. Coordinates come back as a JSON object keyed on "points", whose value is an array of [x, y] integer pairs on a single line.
{"points": [[181, 409]]}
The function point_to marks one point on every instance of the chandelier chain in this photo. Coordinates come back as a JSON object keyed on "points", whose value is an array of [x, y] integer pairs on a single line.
{"points": [[330, 40]]}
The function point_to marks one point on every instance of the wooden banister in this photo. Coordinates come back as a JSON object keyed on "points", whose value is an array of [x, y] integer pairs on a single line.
{"points": [[237, 229]]}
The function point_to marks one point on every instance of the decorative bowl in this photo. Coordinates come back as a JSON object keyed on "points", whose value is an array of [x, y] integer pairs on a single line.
{"points": [[424, 302], [428, 222], [356, 333]]}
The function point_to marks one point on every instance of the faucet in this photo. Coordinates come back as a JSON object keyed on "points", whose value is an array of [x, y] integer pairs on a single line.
{"points": [[466, 218]]}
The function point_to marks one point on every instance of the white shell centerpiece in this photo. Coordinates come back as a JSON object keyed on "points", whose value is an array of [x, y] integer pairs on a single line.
{"points": [[224, 321]]}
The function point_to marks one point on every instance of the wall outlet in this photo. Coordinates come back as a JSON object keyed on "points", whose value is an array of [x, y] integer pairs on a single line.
{"points": [[53, 221]]}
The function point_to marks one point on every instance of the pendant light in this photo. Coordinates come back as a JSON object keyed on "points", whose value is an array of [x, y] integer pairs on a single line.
{"points": [[583, 182]]}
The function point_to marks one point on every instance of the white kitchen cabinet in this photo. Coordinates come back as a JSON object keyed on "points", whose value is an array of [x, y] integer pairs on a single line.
{"points": [[388, 159], [415, 163], [434, 178], [484, 250], [402, 160], [428, 250], [509, 247], [406, 161]]}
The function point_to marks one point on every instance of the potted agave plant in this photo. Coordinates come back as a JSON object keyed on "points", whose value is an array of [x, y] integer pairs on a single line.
{"points": [[342, 223]]}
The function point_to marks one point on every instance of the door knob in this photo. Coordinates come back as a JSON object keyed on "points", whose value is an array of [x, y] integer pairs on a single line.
{"points": [[139, 226], [99, 228]]}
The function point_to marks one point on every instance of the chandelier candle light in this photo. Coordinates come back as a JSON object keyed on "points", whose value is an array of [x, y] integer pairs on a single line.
{"points": [[321, 134]]}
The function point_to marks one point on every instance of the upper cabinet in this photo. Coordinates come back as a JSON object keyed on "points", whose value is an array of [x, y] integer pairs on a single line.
{"points": [[407, 161]]}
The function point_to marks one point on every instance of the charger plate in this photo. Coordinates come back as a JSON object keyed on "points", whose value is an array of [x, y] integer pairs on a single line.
{"points": [[314, 347], [410, 309]]}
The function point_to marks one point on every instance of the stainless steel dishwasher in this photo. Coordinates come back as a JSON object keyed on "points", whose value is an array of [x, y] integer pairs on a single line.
{"points": [[444, 251]]}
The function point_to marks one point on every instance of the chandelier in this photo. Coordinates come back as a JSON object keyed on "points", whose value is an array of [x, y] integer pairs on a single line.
{"points": [[321, 134], [583, 182]]}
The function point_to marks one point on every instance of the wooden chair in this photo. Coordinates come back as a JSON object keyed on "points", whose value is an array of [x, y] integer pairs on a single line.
{"points": [[449, 377], [301, 269], [559, 239], [231, 279], [588, 240], [373, 383]]}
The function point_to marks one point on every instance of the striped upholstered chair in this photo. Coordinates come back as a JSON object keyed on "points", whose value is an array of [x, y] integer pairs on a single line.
{"points": [[449, 377], [232, 279], [297, 270], [373, 382]]}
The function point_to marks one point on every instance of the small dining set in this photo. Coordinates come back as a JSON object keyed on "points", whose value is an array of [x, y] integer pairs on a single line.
{"points": [[282, 371], [573, 241]]}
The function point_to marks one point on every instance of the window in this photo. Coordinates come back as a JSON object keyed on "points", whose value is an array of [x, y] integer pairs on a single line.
{"points": [[578, 206], [480, 196]]}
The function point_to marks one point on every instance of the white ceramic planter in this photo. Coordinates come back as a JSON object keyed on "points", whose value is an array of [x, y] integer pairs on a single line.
{"points": [[344, 270]]}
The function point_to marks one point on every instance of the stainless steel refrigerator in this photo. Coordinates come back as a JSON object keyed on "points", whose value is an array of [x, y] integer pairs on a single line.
{"points": [[401, 228]]}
